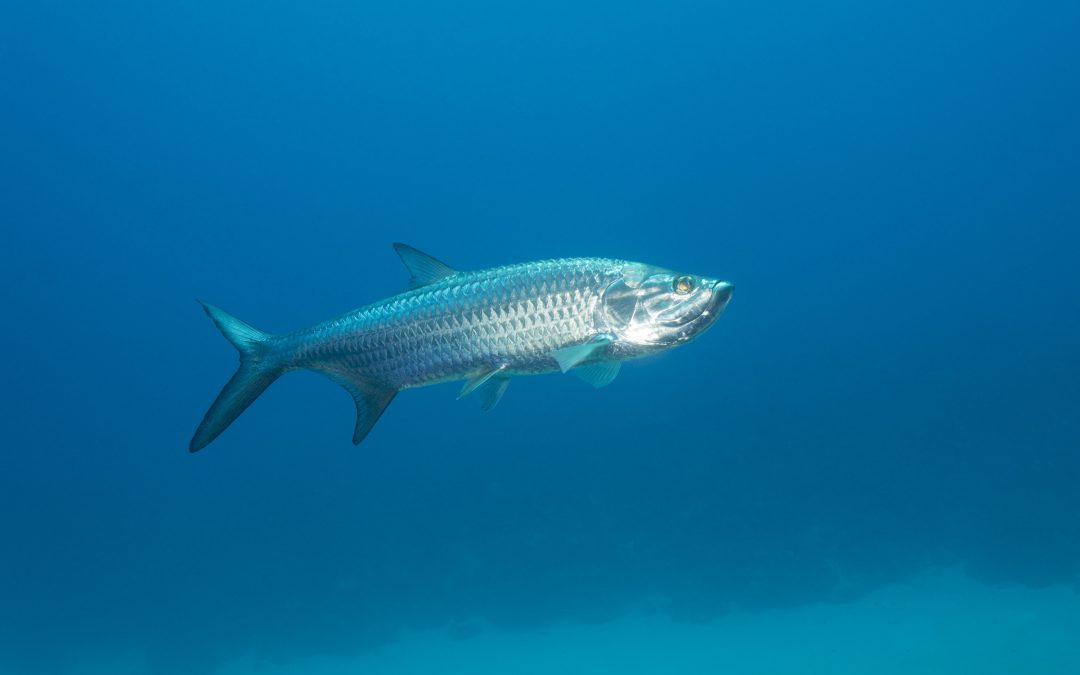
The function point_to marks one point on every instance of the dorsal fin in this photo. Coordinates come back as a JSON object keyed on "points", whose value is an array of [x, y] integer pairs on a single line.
{"points": [[423, 268]]}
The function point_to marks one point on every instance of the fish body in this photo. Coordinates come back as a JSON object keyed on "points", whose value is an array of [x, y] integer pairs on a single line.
{"points": [[584, 315], [466, 323]]}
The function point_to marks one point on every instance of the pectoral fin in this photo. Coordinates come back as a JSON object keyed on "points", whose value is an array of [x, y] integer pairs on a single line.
{"points": [[598, 374], [568, 357]]}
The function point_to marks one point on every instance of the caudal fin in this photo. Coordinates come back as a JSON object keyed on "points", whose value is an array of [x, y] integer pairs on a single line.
{"points": [[259, 367]]}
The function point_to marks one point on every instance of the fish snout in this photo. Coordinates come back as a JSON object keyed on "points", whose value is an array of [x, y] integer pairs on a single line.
{"points": [[722, 291]]}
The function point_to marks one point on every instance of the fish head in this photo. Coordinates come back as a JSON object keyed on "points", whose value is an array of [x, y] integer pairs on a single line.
{"points": [[650, 308]]}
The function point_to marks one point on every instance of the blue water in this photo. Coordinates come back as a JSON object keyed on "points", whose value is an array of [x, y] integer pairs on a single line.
{"points": [[893, 187]]}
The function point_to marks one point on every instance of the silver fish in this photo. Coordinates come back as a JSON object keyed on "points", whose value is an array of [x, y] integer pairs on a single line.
{"points": [[583, 315]]}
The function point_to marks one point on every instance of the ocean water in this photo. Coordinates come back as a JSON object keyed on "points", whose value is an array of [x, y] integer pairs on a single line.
{"points": [[870, 464]]}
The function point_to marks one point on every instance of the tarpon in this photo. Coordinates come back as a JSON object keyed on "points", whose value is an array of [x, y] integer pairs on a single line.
{"points": [[582, 315]]}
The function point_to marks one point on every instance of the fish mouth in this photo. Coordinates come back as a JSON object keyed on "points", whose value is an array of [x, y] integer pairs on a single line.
{"points": [[722, 291]]}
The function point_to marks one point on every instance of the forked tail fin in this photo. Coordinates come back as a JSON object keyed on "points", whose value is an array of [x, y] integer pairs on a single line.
{"points": [[259, 367]]}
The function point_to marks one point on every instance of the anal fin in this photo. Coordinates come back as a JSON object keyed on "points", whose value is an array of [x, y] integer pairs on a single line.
{"points": [[370, 398]]}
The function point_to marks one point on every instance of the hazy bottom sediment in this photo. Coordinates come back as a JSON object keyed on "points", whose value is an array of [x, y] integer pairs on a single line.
{"points": [[939, 623]]}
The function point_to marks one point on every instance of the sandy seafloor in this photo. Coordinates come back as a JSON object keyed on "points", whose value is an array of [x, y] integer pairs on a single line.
{"points": [[936, 624]]}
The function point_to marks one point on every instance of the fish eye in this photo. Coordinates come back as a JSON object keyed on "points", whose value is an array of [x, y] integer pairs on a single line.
{"points": [[683, 284]]}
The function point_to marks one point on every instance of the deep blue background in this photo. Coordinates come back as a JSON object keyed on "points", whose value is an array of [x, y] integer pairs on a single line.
{"points": [[894, 187]]}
